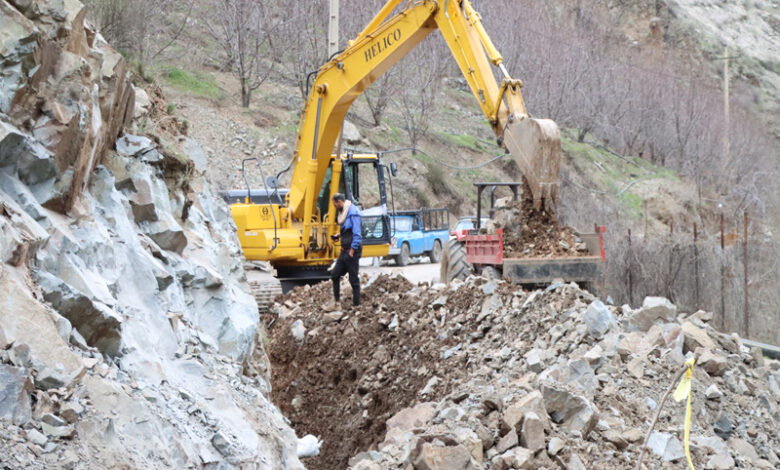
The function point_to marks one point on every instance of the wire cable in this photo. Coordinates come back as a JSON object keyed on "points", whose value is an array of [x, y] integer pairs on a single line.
{"points": [[438, 162]]}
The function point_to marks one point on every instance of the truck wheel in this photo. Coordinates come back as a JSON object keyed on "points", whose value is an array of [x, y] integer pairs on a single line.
{"points": [[435, 253], [453, 262], [403, 258]]}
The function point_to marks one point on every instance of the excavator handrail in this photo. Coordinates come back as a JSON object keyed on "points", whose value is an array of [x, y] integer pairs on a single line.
{"points": [[265, 186]]}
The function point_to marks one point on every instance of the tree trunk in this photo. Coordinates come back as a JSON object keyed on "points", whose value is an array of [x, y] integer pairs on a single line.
{"points": [[246, 96]]}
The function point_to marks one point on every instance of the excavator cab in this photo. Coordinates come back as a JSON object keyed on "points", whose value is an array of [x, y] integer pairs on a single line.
{"points": [[267, 231], [363, 181]]}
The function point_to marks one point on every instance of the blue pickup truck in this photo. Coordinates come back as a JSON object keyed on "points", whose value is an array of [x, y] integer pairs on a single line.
{"points": [[417, 233]]}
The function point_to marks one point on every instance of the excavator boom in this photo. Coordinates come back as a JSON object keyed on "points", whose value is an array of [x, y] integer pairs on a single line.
{"points": [[535, 144], [294, 235]]}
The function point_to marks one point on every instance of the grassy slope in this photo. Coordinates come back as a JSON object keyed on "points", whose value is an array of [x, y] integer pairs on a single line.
{"points": [[458, 135]]}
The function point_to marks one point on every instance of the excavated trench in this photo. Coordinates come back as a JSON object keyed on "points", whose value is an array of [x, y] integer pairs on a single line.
{"points": [[355, 368]]}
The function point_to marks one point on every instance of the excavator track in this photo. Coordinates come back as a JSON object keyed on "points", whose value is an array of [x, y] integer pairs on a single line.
{"points": [[265, 291]]}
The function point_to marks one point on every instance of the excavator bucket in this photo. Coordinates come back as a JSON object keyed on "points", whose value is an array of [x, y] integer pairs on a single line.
{"points": [[535, 144]]}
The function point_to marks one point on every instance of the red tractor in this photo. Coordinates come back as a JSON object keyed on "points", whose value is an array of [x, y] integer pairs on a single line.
{"points": [[471, 252]]}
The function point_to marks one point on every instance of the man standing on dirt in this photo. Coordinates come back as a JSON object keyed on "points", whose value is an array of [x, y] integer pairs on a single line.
{"points": [[351, 248]]}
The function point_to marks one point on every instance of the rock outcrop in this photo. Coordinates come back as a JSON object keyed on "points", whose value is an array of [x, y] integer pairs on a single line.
{"points": [[125, 317]]}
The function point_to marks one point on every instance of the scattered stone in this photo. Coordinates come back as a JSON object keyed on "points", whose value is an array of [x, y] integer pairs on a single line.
{"points": [[702, 316], [598, 319], [573, 412], [308, 446], [720, 462], [440, 453], [616, 438], [514, 414], [713, 393], [333, 316], [492, 403], [221, 443], [713, 363], [131, 145], [410, 418], [516, 458], [744, 448], [440, 302], [555, 445], [430, 386], [15, 389], [594, 356], [489, 287], [53, 420], [665, 446], [351, 134], [723, 427], [636, 367], [35, 436], [298, 331], [633, 435], [507, 442], [696, 337], [532, 434], [58, 431], [653, 309], [534, 360], [575, 463]]}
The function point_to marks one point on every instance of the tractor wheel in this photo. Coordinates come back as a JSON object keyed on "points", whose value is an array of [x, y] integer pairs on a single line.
{"points": [[490, 272], [403, 258], [435, 253], [453, 262]]}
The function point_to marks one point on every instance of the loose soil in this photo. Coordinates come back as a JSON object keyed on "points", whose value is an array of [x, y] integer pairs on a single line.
{"points": [[349, 376], [539, 234], [540, 237]]}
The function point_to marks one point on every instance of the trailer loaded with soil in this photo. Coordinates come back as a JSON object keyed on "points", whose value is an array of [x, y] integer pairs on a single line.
{"points": [[524, 245]]}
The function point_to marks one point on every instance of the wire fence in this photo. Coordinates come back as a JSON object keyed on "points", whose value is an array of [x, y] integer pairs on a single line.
{"points": [[731, 272]]}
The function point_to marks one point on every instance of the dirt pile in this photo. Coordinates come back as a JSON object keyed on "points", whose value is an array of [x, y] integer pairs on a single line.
{"points": [[482, 375], [533, 233], [355, 367]]}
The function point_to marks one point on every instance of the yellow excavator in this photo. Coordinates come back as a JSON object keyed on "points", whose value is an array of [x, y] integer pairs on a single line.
{"points": [[293, 232]]}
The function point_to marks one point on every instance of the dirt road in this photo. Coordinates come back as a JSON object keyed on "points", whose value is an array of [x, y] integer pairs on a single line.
{"points": [[420, 272]]}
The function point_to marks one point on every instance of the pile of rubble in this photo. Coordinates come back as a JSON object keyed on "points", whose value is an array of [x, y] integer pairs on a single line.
{"points": [[482, 375]]}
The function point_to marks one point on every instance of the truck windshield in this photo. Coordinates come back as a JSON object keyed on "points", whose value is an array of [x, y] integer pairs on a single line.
{"points": [[402, 224]]}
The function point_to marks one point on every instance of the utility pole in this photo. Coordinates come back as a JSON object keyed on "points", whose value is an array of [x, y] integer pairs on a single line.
{"points": [[333, 28], [726, 143], [726, 108]]}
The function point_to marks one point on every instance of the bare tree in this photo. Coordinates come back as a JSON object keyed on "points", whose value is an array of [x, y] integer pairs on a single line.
{"points": [[244, 29], [302, 41], [142, 29], [422, 74]]}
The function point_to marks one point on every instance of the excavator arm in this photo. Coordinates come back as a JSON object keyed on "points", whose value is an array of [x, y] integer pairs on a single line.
{"points": [[533, 143]]}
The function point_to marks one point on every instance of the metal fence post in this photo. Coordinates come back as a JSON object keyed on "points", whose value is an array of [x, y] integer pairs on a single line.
{"points": [[696, 265], [746, 311], [722, 277], [630, 276]]}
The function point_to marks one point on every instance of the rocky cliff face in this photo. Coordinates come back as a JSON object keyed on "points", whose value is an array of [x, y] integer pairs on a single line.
{"points": [[125, 321]]}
